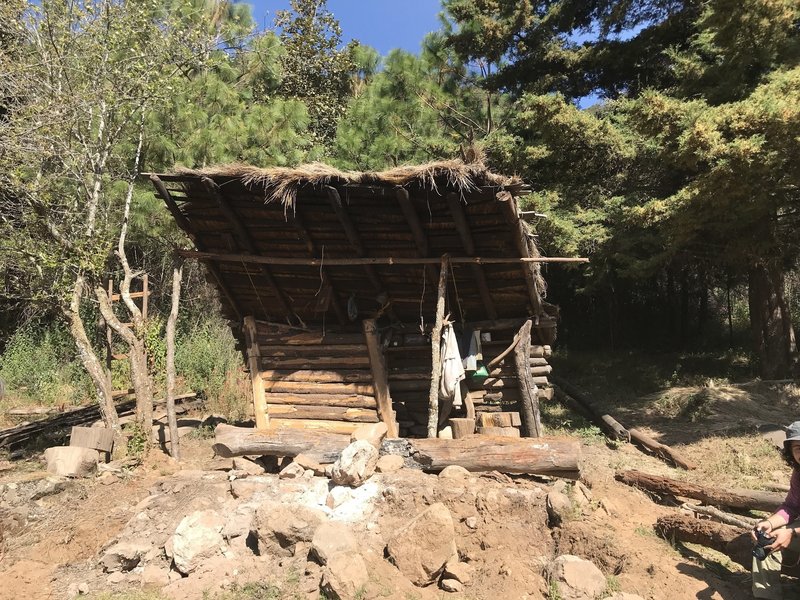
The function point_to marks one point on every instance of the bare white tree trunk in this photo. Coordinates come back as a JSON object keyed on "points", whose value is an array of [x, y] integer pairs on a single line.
{"points": [[177, 275]]}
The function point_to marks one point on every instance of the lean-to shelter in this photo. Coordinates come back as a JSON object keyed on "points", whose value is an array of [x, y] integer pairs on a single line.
{"points": [[330, 282]]}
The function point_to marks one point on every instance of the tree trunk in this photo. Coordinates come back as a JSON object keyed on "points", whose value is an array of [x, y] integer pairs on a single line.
{"points": [[100, 377], [771, 321], [177, 274]]}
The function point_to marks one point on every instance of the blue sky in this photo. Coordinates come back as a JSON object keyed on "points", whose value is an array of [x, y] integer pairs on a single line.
{"points": [[382, 24]]}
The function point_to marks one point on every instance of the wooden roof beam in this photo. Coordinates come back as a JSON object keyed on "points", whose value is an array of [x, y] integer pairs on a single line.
{"points": [[420, 238], [511, 213], [352, 235], [297, 222], [245, 241], [464, 232], [183, 223]]}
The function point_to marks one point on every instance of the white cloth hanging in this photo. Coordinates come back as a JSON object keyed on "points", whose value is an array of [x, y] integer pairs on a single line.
{"points": [[452, 367]]}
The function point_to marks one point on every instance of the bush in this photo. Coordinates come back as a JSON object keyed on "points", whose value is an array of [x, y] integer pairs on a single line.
{"points": [[207, 360], [40, 365]]}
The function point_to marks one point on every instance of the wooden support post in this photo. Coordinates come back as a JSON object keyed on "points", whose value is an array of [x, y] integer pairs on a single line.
{"points": [[462, 226], [529, 395], [380, 380], [145, 295], [254, 364], [436, 340], [180, 219]]}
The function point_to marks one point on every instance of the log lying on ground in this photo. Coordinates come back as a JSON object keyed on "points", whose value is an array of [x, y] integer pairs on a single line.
{"points": [[744, 499], [606, 422], [720, 516], [662, 451], [534, 456], [537, 456], [731, 541], [322, 446]]}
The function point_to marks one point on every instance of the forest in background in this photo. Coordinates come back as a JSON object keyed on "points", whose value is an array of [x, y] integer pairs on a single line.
{"points": [[680, 184]]}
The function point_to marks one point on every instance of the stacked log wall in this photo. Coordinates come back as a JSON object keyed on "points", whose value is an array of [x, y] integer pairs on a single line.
{"points": [[317, 380]]}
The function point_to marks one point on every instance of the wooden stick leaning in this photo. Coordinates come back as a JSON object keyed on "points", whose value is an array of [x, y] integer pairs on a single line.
{"points": [[436, 340]]}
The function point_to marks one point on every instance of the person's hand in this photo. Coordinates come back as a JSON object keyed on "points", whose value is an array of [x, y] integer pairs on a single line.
{"points": [[764, 526], [782, 539]]}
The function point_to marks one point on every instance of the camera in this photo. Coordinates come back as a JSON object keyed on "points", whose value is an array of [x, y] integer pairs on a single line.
{"points": [[762, 539]]}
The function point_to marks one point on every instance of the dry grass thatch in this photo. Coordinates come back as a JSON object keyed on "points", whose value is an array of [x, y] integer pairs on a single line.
{"points": [[281, 184]]}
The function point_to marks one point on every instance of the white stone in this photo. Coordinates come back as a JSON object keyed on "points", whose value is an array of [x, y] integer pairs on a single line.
{"points": [[451, 585], [453, 472], [355, 465], [337, 496], [446, 433], [197, 538], [71, 461], [576, 578]]}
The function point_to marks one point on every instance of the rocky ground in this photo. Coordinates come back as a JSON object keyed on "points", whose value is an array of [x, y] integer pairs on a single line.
{"points": [[229, 529]]}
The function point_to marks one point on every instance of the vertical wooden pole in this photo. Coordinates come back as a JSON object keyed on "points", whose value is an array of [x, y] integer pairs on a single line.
{"points": [[109, 333], [436, 340], [380, 378], [145, 295], [254, 364], [529, 394]]}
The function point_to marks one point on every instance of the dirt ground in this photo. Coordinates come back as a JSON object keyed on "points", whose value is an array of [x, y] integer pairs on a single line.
{"points": [[53, 538]]}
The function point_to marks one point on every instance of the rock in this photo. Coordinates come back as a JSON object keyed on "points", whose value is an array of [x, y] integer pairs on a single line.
{"points": [[471, 522], [337, 496], [446, 433], [71, 461], [559, 508], [245, 465], [389, 463], [197, 537], [83, 587], [623, 596], [280, 527], [423, 547], [453, 472], [373, 433], [154, 576], [292, 471], [576, 578], [330, 538], [309, 463], [237, 523], [345, 576], [451, 585], [243, 489], [116, 577], [355, 465], [581, 494], [458, 570], [107, 478], [559, 486], [124, 556]]}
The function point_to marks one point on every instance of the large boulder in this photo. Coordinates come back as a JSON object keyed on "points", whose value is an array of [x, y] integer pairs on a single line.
{"points": [[576, 578], [197, 538], [356, 464], [372, 433], [71, 461], [124, 556], [422, 548], [279, 527], [330, 538], [345, 577]]}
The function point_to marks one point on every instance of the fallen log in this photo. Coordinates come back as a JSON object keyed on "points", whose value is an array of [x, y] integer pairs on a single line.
{"points": [[324, 447], [731, 541], [538, 456], [535, 456], [744, 499], [605, 421], [661, 450], [720, 516]]}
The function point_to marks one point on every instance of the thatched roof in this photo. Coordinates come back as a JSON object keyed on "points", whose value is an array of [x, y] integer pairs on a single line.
{"points": [[317, 211]]}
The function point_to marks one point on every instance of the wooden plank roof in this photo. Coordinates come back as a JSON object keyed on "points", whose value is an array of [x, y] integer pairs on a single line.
{"points": [[316, 211]]}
